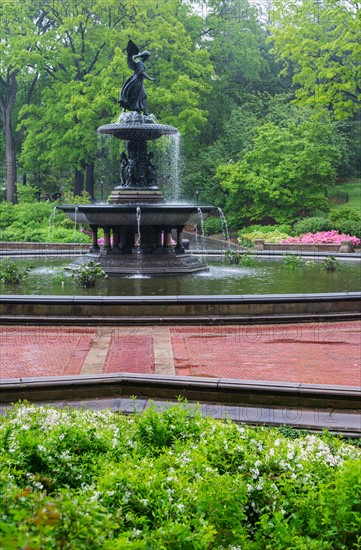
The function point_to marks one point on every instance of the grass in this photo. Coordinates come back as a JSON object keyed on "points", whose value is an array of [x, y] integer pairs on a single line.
{"points": [[354, 192]]}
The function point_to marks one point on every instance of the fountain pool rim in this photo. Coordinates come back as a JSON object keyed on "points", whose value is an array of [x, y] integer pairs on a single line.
{"points": [[157, 309]]}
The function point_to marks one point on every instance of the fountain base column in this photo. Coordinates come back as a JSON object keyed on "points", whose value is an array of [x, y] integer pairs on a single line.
{"points": [[94, 246], [179, 249]]}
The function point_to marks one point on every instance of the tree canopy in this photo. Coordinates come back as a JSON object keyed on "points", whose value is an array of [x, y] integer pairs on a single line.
{"points": [[285, 172], [319, 42], [224, 76]]}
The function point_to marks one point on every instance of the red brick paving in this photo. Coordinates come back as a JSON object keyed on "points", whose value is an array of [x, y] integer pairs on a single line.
{"points": [[321, 353], [130, 354], [43, 351]]}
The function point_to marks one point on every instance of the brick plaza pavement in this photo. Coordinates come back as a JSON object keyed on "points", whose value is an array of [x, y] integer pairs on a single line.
{"points": [[314, 353]]}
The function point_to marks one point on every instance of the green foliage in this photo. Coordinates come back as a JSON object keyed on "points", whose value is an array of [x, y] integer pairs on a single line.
{"points": [[268, 233], [312, 225], [292, 261], [265, 229], [11, 273], [287, 170], [319, 44], [37, 222], [245, 259], [172, 479], [60, 278], [27, 193], [352, 189], [349, 227], [232, 257], [341, 214], [343, 218], [212, 226], [70, 198], [330, 263], [88, 274], [89, 38]]}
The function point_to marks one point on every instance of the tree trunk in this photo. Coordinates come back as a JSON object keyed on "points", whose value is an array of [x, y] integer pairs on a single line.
{"points": [[10, 162], [89, 180], [78, 182]]}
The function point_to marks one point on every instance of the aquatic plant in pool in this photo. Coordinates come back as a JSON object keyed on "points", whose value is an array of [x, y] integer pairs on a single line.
{"points": [[87, 275], [11, 273]]}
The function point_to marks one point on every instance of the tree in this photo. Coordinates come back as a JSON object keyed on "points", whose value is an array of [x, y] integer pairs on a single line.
{"points": [[85, 61], [20, 27], [237, 137], [319, 41], [235, 40], [287, 171]]}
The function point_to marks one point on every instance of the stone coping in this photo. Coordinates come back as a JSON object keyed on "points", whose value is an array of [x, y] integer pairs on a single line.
{"points": [[186, 299], [178, 309], [251, 401], [123, 383]]}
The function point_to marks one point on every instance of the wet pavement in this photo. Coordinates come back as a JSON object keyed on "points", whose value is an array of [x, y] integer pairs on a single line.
{"points": [[310, 353]]}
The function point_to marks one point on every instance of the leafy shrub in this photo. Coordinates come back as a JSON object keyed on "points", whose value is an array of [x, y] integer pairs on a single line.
{"points": [[37, 222], [94, 479], [270, 237], [212, 226], [350, 227], [27, 193], [7, 213], [312, 225], [344, 213], [11, 273], [268, 233], [65, 235], [70, 198], [266, 229]]}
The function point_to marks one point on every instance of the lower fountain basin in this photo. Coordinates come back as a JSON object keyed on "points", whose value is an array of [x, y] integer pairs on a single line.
{"points": [[125, 214]]}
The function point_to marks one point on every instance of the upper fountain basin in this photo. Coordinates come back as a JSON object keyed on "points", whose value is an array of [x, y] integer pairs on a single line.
{"points": [[137, 130], [151, 214]]}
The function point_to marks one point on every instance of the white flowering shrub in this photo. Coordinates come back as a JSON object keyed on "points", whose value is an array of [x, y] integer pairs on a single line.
{"points": [[80, 479]]}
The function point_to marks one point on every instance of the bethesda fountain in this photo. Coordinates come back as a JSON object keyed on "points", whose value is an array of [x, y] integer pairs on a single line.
{"points": [[137, 223]]}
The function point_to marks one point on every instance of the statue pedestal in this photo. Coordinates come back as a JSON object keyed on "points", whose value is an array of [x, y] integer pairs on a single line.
{"points": [[135, 195]]}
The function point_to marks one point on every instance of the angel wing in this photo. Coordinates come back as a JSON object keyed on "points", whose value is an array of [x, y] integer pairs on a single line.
{"points": [[132, 49]]}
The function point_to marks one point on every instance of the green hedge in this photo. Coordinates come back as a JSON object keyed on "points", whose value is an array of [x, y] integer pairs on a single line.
{"points": [[312, 225], [172, 480], [37, 222]]}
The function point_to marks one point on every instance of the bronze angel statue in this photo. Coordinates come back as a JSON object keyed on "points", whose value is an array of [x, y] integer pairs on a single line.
{"points": [[133, 96]]}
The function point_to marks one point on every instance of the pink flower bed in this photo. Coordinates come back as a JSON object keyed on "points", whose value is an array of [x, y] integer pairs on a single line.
{"points": [[322, 237]]}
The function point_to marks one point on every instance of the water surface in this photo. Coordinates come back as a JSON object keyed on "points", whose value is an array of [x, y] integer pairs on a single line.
{"points": [[266, 277]]}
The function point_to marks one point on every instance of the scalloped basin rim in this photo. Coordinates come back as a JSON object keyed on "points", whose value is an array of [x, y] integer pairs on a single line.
{"points": [[136, 129], [133, 207], [125, 214]]}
